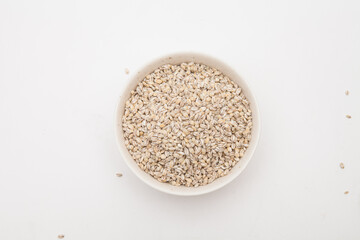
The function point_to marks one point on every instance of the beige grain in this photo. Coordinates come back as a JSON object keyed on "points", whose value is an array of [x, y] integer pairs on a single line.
{"points": [[187, 124]]}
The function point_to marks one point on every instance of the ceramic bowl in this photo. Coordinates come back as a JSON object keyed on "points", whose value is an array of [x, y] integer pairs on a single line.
{"points": [[177, 58]]}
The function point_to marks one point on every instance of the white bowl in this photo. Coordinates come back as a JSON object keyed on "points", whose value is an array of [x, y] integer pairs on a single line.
{"points": [[176, 59]]}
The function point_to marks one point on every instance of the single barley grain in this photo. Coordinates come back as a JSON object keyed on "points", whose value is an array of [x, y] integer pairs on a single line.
{"points": [[342, 166], [346, 192], [119, 174], [127, 71], [187, 124], [61, 236], [347, 92], [348, 116]]}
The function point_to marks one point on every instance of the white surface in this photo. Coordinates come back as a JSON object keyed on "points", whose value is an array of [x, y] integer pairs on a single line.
{"points": [[62, 68]]}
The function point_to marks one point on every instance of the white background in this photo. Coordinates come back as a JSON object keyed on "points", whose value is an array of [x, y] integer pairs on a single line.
{"points": [[61, 72]]}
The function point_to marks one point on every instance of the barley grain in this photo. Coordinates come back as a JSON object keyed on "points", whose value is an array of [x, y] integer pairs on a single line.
{"points": [[342, 166], [187, 124]]}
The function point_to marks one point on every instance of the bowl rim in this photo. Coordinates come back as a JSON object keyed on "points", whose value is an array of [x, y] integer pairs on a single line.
{"points": [[136, 76]]}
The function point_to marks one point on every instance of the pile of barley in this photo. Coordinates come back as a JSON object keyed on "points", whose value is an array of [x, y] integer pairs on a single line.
{"points": [[187, 124]]}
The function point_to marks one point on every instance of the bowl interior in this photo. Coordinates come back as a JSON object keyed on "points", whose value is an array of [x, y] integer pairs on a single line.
{"points": [[176, 59]]}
